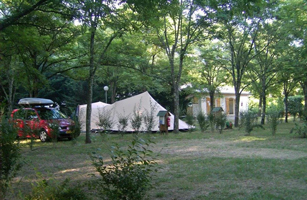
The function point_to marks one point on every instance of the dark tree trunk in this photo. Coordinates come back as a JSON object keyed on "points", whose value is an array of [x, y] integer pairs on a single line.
{"points": [[90, 89], [212, 99], [237, 108], [176, 110], [304, 86], [260, 106], [286, 107], [263, 110]]}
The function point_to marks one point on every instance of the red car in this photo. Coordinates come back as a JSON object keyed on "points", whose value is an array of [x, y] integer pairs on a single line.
{"points": [[38, 119]]}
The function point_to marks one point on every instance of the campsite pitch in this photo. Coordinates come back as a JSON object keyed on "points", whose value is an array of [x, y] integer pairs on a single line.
{"points": [[191, 165]]}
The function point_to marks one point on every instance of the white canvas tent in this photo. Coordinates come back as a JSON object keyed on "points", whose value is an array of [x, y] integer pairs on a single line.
{"points": [[142, 104], [97, 107]]}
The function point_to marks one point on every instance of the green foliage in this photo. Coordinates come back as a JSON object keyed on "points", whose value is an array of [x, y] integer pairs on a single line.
{"points": [[129, 174], [300, 129], [190, 121], [122, 123], [220, 122], [54, 133], [249, 121], [9, 155], [149, 118], [136, 120], [105, 120], [211, 121], [202, 121], [52, 190], [76, 130], [295, 106], [273, 117]]}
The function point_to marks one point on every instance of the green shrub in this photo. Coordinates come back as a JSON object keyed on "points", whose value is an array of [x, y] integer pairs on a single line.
{"points": [[202, 121], [249, 121], [220, 122], [10, 155], [105, 120], [295, 106], [130, 172], [149, 118], [300, 129], [190, 121], [76, 131], [136, 120], [52, 190], [54, 133], [122, 123], [273, 116], [211, 121]]}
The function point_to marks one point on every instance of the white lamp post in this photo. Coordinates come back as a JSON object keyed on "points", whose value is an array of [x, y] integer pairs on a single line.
{"points": [[106, 88]]}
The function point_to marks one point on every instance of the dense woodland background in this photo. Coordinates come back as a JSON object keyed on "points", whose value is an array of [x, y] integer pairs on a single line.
{"points": [[68, 50]]}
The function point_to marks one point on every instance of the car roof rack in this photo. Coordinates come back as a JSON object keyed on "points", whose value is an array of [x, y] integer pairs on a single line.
{"points": [[35, 102]]}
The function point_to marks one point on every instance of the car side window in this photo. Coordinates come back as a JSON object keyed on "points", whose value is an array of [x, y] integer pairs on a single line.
{"points": [[31, 114], [20, 114]]}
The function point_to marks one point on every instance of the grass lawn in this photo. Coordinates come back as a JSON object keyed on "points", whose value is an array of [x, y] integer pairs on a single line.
{"points": [[192, 165]]}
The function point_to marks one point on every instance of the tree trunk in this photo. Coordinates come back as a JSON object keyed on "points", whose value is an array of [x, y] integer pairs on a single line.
{"points": [[176, 110], [113, 91], [90, 89], [260, 106], [263, 110], [212, 100], [237, 108], [304, 86], [286, 106], [89, 110]]}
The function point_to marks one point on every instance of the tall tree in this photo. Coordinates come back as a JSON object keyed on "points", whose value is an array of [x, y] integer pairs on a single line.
{"points": [[91, 14], [103, 21], [264, 67], [182, 24], [208, 70], [292, 15], [240, 21]]}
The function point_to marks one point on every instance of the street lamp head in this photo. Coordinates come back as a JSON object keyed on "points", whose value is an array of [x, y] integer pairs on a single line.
{"points": [[106, 88]]}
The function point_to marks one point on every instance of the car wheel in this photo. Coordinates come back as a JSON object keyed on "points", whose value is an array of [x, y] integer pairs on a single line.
{"points": [[43, 136]]}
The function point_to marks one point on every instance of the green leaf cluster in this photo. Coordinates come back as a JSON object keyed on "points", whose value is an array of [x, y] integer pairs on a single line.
{"points": [[129, 174]]}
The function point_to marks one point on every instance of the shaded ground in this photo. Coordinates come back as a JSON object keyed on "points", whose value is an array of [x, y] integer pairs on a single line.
{"points": [[191, 165]]}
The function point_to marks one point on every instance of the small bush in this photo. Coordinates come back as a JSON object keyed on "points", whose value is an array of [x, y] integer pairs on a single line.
{"points": [[54, 133], [122, 123], [10, 155], [105, 120], [190, 121], [220, 122], [295, 106], [149, 118], [136, 120], [129, 174], [50, 189], [76, 129], [211, 121], [249, 121], [273, 116], [300, 128], [202, 121]]}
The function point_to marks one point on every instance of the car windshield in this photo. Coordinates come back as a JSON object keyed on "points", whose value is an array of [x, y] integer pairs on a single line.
{"points": [[51, 114]]}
